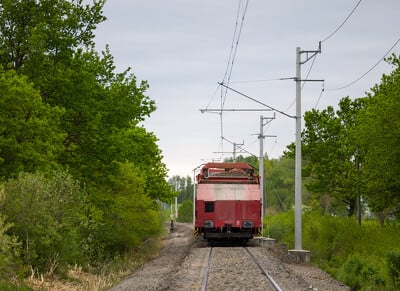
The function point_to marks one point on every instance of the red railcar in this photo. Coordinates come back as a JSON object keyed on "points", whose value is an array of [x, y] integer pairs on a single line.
{"points": [[228, 202]]}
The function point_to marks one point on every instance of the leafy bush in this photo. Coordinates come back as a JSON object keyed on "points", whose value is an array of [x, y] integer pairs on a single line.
{"points": [[47, 213], [9, 249], [334, 241], [129, 215], [331, 238], [358, 272], [186, 211], [281, 227], [393, 263]]}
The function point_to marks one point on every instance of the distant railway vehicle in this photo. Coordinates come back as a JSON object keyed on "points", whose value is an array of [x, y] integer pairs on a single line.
{"points": [[228, 202]]}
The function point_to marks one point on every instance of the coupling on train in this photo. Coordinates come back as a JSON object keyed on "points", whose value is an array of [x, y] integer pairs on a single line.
{"points": [[228, 202]]}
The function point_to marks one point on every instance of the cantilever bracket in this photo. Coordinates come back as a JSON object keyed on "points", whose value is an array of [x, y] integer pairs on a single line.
{"points": [[310, 54]]}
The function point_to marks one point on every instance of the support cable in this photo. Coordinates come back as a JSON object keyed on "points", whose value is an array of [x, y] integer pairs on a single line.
{"points": [[231, 61], [213, 95], [259, 102], [340, 26], [233, 42], [234, 48], [367, 72], [239, 147], [320, 95]]}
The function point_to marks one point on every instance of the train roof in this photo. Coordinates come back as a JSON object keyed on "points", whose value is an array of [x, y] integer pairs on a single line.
{"points": [[227, 173], [227, 165]]}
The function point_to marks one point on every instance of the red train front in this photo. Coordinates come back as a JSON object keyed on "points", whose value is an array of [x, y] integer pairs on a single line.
{"points": [[228, 202]]}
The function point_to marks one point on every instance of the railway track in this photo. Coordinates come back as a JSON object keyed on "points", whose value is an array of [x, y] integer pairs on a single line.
{"points": [[186, 264], [276, 286], [219, 272]]}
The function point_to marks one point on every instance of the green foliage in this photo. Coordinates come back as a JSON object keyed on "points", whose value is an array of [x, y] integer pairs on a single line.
{"points": [[330, 237], [184, 186], [63, 106], [130, 214], [185, 211], [38, 34], [280, 183], [379, 133], [47, 213], [360, 256], [9, 250], [393, 264], [361, 272], [30, 137], [9, 286], [353, 151], [281, 227], [332, 154], [51, 43]]}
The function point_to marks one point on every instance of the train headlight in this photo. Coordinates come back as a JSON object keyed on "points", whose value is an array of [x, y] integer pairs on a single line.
{"points": [[209, 224], [247, 224]]}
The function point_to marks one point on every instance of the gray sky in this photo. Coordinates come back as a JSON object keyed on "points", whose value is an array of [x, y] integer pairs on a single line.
{"points": [[181, 47]]}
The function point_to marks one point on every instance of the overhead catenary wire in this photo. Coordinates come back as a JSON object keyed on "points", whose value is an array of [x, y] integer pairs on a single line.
{"points": [[368, 71], [340, 26], [312, 64], [231, 60], [213, 95], [259, 102], [240, 147], [320, 95], [233, 50], [325, 39], [229, 68], [234, 47]]}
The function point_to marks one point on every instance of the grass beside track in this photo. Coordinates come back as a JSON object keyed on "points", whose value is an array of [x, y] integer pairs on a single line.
{"points": [[100, 277]]}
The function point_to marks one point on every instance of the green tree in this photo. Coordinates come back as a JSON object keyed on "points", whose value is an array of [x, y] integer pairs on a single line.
{"points": [[58, 54], [131, 216], [379, 130], [51, 42], [332, 154], [184, 186], [186, 211], [30, 137], [280, 184], [278, 178], [36, 36], [136, 145]]}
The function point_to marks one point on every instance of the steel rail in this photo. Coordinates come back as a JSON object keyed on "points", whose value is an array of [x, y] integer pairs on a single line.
{"points": [[206, 271], [276, 286]]}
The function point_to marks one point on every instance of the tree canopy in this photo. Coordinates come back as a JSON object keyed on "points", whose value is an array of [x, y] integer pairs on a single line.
{"points": [[30, 134], [379, 132], [352, 154], [64, 107]]}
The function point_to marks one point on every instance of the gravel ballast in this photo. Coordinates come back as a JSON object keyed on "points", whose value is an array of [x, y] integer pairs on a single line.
{"points": [[181, 265]]}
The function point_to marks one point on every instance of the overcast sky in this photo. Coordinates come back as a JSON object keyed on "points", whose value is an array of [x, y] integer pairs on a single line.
{"points": [[181, 47]]}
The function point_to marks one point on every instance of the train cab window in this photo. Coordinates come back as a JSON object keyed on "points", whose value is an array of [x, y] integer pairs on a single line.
{"points": [[209, 207]]}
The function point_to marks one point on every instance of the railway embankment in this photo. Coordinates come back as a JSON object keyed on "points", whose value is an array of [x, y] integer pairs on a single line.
{"points": [[184, 261]]}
